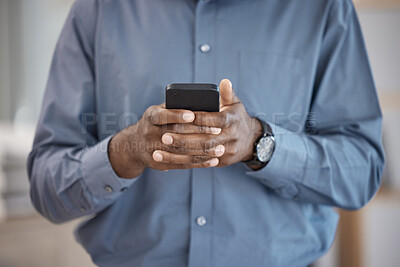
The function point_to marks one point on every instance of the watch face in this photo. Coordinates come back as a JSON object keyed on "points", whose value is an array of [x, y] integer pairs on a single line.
{"points": [[265, 147]]}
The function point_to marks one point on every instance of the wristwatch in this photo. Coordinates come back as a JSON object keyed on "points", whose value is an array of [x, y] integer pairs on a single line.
{"points": [[263, 148]]}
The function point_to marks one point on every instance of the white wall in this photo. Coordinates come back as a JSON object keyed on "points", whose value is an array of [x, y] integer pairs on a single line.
{"points": [[381, 28], [32, 27], [4, 62], [381, 233]]}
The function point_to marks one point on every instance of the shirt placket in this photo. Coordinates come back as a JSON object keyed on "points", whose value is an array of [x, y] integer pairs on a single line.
{"points": [[202, 189], [204, 41]]}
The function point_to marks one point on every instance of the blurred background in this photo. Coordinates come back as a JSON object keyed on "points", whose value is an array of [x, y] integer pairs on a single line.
{"points": [[28, 33]]}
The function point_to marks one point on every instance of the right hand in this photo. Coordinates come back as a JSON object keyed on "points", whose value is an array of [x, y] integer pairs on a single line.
{"points": [[142, 145]]}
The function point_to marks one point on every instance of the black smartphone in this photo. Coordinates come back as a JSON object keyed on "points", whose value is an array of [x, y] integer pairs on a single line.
{"points": [[192, 96]]}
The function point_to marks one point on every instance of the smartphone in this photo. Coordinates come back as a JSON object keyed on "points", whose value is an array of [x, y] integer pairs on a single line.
{"points": [[192, 96]]}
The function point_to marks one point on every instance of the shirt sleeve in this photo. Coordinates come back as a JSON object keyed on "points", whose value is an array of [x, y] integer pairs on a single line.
{"points": [[338, 158], [68, 167]]}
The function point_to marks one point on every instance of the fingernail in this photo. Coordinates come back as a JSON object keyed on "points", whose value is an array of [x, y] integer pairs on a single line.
{"points": [[188, 116], [167, 139], [229, 82], [157, 156], [214, 162], [215, 130], [219, 150]]}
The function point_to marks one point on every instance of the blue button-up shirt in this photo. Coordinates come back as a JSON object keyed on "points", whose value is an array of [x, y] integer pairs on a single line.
{"points": [[301, 66]]}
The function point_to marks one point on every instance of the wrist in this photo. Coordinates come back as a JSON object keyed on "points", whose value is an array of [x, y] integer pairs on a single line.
{"points": [[256, 133], [124, 157]]}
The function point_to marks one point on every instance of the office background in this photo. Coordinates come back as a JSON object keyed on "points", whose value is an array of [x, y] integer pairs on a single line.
{"points": [[28, 33]]}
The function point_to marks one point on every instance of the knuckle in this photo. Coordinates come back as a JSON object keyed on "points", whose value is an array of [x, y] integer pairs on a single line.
{"points": [[198, 159], [225, 119], [147, 116], [208, 144], [235, 136], [211, 144], [180, 141], [167, 158], [150, 109], [180, 150], [234, 150], [209, 151], [228, 149], [166, 128], [202, 129], [152, 114], [204, 164], [232, 134], [178, 128]]}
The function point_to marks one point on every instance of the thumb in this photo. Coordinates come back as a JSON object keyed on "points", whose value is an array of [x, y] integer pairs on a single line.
{"points": [[227, 95]]}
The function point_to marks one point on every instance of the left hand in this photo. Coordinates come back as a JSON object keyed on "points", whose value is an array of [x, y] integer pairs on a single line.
{"points": [[239, 130]]}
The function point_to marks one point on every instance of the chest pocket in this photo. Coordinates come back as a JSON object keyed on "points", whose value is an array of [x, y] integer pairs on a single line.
{"points": [[272, 88]]}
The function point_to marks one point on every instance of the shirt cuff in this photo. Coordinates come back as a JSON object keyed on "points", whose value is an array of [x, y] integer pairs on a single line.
{"points": [[286, 167], [98, 174]]}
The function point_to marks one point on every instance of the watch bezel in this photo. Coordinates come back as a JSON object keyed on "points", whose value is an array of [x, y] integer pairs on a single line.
{"points": [[255, 162], [270, 152]]}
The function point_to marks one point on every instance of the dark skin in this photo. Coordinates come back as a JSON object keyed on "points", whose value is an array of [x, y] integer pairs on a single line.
{"points": [[165, 139]]}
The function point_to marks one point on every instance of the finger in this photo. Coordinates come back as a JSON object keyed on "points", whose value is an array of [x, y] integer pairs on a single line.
{"points": [[170, 158], [185, 128], [213, 119], [190, 141], [168, 166], [217, 151], [227, 94], [158, 115]]}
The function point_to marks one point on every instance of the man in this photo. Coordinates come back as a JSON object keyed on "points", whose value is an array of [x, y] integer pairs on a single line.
{"points": [[252, 185]]}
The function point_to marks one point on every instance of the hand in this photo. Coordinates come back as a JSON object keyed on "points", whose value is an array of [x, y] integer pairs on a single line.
{"points": [[143, 144], [239, 130]]}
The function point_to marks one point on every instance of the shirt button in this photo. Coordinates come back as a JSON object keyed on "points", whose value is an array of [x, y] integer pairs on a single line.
{"points": [[108, 188], [201, 220], [82, 208], [124, 189], [205, 48]]}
